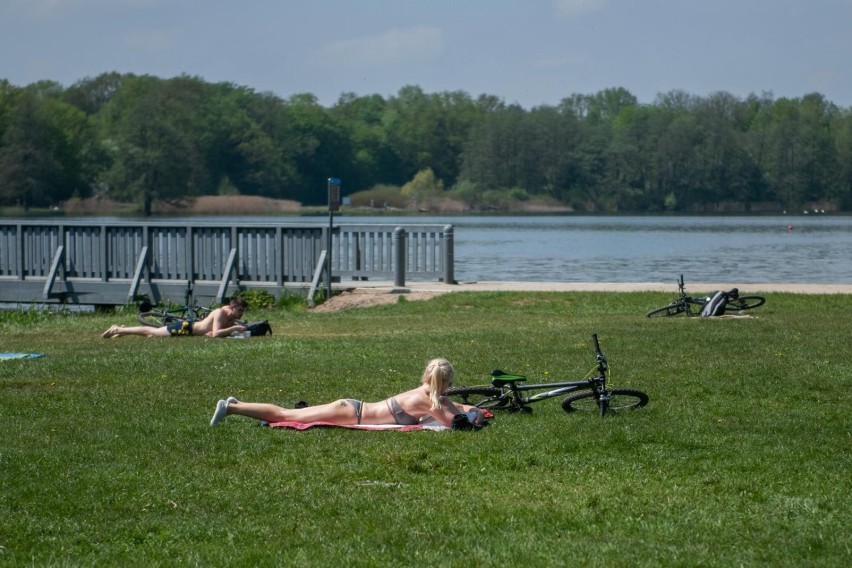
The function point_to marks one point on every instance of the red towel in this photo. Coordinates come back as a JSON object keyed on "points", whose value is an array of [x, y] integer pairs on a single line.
{"points": [[397, 427]]}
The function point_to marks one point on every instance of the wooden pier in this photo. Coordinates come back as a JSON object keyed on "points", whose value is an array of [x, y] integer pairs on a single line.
{"points": [[114, 263]]}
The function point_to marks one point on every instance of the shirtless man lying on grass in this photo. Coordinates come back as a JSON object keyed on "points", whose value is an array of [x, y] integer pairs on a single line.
{"points": [[221, 322]]}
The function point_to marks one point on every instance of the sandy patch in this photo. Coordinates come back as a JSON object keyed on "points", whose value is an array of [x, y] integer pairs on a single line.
{"points": [[366, 297]]}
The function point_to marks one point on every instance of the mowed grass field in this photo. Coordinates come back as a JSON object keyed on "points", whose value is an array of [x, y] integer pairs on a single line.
{"points": [[742, 456]]}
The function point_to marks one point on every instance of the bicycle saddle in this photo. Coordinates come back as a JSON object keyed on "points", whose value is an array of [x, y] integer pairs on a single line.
{"points": [[734, 293], [502, 377]]}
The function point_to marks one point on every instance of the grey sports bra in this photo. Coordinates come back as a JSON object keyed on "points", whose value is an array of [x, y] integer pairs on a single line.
{"points": [[401, 416]]}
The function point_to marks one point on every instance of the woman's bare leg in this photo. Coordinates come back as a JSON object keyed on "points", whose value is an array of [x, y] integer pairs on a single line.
{"points": [[337, 412]]}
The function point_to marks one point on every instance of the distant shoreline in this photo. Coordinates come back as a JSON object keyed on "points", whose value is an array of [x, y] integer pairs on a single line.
{"points": [[250, 205]]}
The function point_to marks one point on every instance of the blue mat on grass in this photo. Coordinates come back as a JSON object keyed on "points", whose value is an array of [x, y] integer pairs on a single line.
{"points": [[9, 356]]}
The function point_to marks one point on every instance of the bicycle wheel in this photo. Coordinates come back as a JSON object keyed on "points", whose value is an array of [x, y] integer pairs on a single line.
{"points": [[672, 309], [744, 303], [157, 318], [619, 401], [483, 397]]}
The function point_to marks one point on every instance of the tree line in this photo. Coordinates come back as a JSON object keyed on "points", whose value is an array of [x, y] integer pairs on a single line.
{"points": [[142, 138]]}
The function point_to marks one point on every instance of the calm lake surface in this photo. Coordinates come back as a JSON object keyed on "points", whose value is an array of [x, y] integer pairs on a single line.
{"points": [[817, 249]]}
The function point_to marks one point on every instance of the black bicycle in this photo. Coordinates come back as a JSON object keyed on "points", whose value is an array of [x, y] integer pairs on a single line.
{"points": [[692, 306], [593, 393], [174, 313]]}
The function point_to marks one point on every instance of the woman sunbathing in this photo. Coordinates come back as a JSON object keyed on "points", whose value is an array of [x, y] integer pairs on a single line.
{"points": [[405, 408]]}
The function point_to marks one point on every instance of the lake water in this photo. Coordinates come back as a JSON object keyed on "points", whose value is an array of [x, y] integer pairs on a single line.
{"points": [[816, 249]]}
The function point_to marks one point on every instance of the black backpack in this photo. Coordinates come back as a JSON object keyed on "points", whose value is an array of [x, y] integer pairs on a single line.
{"points": [[259, 328], [716, 305]]}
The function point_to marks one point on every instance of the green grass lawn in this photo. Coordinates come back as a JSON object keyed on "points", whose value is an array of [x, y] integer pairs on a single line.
{"points": [[742, 456]]}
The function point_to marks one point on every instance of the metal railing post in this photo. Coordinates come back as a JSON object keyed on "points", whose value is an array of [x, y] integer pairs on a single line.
{"points": [[399, 256], [449, 255]]}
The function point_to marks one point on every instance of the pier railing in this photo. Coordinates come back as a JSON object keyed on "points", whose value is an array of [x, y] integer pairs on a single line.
{"points": [[113, 263]]}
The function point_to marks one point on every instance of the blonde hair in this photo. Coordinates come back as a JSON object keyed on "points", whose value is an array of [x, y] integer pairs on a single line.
{"points": [[438, 375]]}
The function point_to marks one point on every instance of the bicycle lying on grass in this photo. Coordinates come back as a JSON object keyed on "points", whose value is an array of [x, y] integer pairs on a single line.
{"points": [[506, 392], [171, 314], [692, 306]]}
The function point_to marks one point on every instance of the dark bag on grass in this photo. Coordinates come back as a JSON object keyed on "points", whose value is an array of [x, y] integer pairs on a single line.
{"points": [[716, 305], [463, 422], [259, 328]]}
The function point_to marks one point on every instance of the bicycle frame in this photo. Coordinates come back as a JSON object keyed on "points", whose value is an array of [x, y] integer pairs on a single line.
{"points": [[511, 389], [688, 301], [681, 304], [191, 313], [173, 312]]}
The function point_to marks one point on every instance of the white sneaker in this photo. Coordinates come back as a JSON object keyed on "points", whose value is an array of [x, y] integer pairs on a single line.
{"points": [[110, 333], [221, 412], [231, 400]]}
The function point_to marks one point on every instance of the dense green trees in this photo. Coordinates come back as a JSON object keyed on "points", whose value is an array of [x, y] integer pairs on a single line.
{"points": [[43, 146], [142, 138]]}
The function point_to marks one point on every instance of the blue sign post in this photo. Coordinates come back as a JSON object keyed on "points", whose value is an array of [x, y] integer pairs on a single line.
{"points": [[333, 194]]}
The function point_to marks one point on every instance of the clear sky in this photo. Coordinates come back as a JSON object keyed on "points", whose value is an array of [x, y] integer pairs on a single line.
{"points": [[530, 52]]}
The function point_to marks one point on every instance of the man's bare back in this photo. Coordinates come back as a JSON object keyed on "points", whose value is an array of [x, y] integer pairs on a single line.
{"points": [[219, 319]]}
